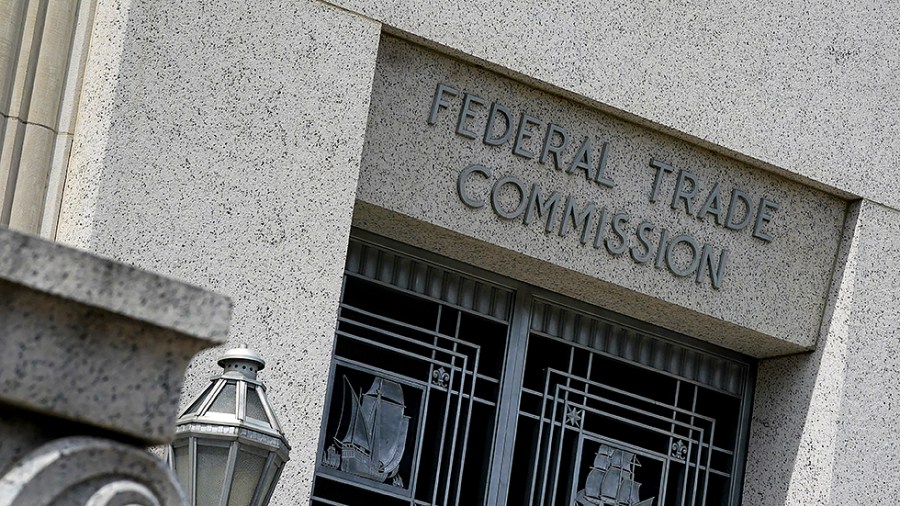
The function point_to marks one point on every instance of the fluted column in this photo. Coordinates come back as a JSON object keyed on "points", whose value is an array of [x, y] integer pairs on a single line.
{"points": [[42, 48]]}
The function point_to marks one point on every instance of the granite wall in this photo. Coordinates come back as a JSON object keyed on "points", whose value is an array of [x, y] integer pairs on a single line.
{"points": [[221, 141], [825, 426], [806, 90], [646, 225], [94, 354]]}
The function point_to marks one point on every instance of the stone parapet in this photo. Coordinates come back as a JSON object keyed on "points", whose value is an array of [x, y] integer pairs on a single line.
{"points": [[92, 347]]}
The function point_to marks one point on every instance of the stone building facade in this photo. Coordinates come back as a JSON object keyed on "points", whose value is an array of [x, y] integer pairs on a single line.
{"points": [[717, 178]]}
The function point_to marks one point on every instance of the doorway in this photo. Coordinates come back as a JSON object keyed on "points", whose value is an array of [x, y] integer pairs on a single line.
{"points": [[454, 386]]}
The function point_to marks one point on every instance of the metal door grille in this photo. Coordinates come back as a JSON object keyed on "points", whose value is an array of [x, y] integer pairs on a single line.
{"points": [[453, 389], [593, 387], [439, 339]]}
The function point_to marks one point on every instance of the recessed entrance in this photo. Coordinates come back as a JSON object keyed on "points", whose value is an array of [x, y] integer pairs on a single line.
{"points": [[450, 386]]}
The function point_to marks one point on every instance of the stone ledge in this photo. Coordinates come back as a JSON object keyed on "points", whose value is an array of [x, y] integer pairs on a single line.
{"points": [[98, 342], [95, 281]]}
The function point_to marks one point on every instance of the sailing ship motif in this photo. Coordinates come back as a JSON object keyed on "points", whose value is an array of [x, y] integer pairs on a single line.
{"points": [[611, 480], [373, 443]]}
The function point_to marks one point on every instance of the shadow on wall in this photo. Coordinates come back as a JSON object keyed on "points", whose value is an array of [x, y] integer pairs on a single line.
{"points": [[798, 400], [790, 444]]}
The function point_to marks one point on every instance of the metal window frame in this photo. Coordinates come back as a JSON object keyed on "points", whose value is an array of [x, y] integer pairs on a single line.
{"points": [[518, 336]]}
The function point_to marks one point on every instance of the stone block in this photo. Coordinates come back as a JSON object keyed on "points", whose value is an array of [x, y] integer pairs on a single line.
{"points": [[809, 92], [501, 175], [97, 342]]}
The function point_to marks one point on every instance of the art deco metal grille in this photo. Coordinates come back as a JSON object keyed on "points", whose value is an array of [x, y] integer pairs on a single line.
{"points": [[600, 399], [419, 352], [448, 388]]}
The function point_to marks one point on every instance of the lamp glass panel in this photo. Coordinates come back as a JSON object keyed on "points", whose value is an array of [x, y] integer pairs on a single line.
{"points": [[247, 472], [225, 402], [271, 471], [196, 404], [212, 462], [182, 462], [255, 408]]}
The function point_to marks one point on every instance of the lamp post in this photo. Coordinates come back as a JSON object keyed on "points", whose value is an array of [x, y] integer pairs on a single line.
{"points": [[228, 448]]}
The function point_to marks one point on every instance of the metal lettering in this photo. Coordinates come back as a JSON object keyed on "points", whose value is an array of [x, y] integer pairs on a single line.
{"points": [[585, 218], [466, 113], [524, 134], [661, 168], [584, 159], [549, 147], [737, 195], [495, 197], [618, 220], [695, 256], [661, 249], [600, 175], [467, 199], [642, 230], [439, 101], [541, 206], [686, 195], [497, 108], [598, 236], [763, 217], [613, 234], [713, 205], [716, 273]]}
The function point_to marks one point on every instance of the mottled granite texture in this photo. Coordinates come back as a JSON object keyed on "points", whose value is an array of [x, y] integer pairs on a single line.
{"points": [[93, 341], [219, 142], [825, 425], [776, 289], [811, 90]]}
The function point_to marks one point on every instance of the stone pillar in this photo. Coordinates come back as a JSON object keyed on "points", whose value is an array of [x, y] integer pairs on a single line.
{"points": [[224, 150], [825, 424], [94, 354], [42, 53]]}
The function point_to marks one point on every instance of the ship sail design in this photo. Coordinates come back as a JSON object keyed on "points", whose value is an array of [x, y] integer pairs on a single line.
{"points": [[374, 440], [611, 480]]}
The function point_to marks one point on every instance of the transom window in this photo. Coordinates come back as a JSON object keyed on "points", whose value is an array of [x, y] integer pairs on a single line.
{"points": [[453, 387]]}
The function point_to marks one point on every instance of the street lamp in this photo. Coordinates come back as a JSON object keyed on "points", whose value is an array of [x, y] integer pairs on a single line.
{"points": [[229, 449]]}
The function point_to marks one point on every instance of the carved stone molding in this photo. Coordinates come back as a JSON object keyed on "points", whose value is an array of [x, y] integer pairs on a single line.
{"points": [[89, 471]]}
